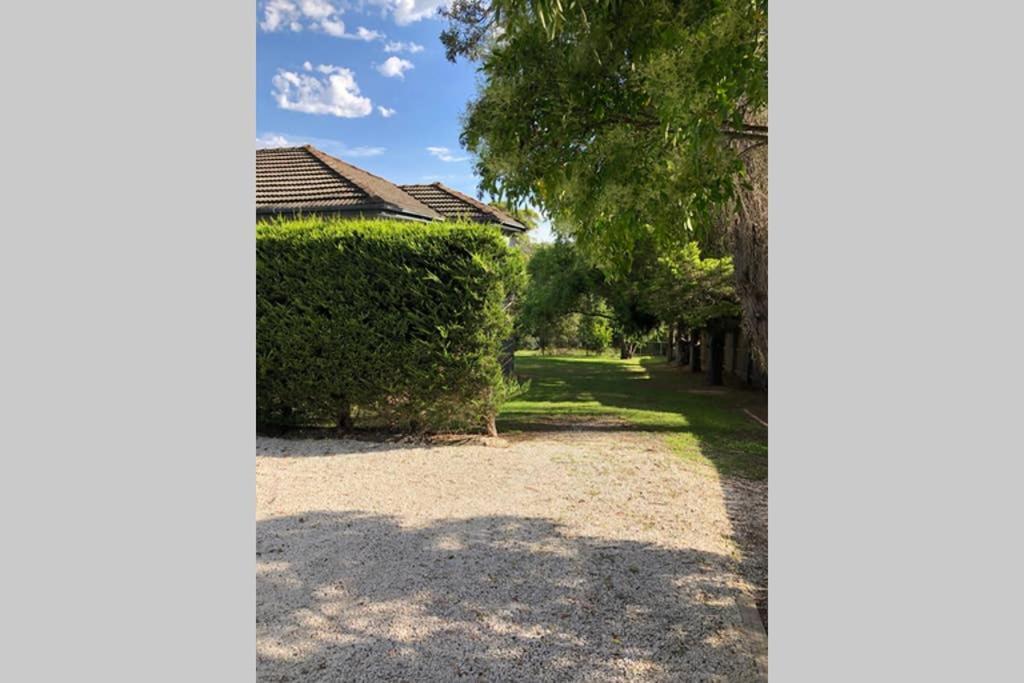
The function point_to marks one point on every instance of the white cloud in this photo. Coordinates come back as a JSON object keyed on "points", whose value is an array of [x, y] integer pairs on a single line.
{"points": [[363, 33], [298, 14], [316, 15], [385, 112], [325, 15], [278, 14], [317, 9], [394, 66], [362, 151], [333, 27], [399, 46], [272, 140], [407, 11], [444, 154], [336, 94]]}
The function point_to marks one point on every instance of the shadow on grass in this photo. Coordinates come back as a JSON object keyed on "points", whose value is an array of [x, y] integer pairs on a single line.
{"points": [[607, 395], [357, 596]]}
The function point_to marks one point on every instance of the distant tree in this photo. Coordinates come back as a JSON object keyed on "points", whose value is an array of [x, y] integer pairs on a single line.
{"points": [[693, 291], [696, 294], [562, 282]]}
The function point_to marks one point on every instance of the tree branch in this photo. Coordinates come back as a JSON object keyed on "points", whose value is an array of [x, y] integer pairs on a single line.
{"points": [[746, 135]]}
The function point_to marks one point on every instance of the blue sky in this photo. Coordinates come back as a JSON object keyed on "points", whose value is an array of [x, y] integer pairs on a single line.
{"points": [[366, 81]]}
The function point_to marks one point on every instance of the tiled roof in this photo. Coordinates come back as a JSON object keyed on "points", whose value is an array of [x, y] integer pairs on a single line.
{"points": [[304, 178], [452, 204]]}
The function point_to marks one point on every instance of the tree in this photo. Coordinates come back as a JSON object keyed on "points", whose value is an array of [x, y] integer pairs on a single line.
{"points": [[562, 282], [696, 294], [629, 122], [691, 290]]}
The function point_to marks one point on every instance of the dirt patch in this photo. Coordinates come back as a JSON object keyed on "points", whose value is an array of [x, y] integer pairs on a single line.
{"points": [[557, 426]]}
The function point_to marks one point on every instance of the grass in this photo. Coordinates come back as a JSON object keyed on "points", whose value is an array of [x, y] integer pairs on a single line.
{"points": [[700, 423]]}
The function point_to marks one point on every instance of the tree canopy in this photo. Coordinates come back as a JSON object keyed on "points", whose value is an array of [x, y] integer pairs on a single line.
{"points": [[676, 286], [613, 114], [693, 291], [628, 122]]}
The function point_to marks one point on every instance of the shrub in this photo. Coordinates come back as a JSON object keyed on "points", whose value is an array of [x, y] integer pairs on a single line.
{"points": [[394, 324], [595, 333]]}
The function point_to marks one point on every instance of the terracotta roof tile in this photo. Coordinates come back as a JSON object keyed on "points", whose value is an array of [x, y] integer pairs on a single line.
{"points": [[453, 205], [295, 178]]}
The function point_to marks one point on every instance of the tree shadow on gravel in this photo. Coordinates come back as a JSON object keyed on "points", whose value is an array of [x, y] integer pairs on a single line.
{"points": [[358, 597], [607, 396]]}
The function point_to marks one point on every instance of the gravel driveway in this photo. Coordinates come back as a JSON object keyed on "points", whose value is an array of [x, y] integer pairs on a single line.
{"points": [[569, 556]]}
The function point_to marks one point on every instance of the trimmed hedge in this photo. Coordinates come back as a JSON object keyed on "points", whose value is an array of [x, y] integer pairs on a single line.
{"points": [[389, 324]]}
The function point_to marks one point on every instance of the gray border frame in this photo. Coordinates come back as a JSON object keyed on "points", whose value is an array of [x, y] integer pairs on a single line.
{"points": [[894, 253], [126, 278], [128, 350]]}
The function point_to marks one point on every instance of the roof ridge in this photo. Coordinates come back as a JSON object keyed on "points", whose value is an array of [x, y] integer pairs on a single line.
{"points": [[487, 208], [329, 161]]}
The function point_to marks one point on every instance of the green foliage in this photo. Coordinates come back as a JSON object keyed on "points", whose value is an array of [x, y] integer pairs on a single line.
{"points": [[617, 118], [399, 324], [594, 333], [692, 290], [561, 332], [563, 283], [524, 214], [637, 126]]}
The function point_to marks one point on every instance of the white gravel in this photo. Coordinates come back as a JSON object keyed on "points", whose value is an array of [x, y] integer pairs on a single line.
{"points": [[563, 557]]}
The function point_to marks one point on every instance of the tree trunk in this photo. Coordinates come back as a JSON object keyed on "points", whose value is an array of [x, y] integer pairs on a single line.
{"points": [[670, 344], [747, 228], [492, 426], [344, 418], [716, 362], [507, 357], [695, 351], [682, 347]]}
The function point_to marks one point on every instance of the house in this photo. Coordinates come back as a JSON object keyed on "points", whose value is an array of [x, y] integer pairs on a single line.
{"points": [[303, 180]]}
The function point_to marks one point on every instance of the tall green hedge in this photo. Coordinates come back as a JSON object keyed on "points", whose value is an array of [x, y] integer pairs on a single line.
{"points": [[391, 324]]}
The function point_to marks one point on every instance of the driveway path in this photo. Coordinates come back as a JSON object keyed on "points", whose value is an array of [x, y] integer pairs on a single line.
{"points": [[566, 556]]}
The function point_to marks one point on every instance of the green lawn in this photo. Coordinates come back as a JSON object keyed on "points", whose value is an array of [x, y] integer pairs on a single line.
{"points": [[645, 394]]}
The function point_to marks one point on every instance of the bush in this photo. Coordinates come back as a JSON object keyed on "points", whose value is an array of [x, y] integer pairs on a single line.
{"points": [[389, 323], [595, 333]]}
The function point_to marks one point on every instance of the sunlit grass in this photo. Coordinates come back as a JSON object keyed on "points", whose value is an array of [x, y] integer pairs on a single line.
{"points": [[649, 395]]}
